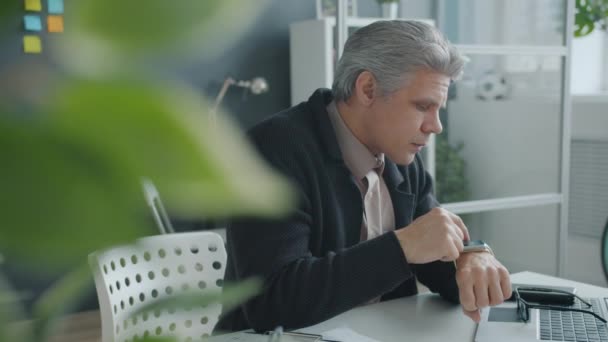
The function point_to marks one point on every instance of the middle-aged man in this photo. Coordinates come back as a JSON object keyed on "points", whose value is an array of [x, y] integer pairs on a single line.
{"points": [[367, 224]]}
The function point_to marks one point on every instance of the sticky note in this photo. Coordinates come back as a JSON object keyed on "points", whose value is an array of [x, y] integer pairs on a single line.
{"points": [[55, 23], [33, 5], [55, 6], [32, 44], [32, 22]]}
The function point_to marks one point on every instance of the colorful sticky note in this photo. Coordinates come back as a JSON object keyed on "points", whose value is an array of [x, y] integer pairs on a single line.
{"points": [[55, 23], [32, 22], [55, 6], [32, 44], [33, 5]]}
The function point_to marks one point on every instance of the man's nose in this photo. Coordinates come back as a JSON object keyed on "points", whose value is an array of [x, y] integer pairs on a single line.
{"points": [[432, 124]]}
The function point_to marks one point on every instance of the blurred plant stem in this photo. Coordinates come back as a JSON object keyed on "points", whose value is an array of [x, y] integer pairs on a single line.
{"points": [[58, 299]]}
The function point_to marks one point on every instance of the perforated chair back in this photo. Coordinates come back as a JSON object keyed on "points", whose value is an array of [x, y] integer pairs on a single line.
{"points": [[129, 277]]}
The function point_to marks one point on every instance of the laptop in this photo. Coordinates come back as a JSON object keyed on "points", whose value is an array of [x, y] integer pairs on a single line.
{"points": [[502, 323]]}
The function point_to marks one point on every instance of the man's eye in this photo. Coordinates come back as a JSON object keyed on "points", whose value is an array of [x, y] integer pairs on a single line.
{"points": [[422, 108]]}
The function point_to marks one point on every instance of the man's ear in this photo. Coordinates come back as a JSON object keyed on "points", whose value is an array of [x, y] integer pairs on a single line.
{"points": [[365, 88]]}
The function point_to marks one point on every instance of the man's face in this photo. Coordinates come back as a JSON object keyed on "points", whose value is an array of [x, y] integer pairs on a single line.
{"points": [[400, 124]]}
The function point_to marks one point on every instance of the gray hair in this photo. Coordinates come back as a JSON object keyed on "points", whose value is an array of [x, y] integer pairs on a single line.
{"points": [[391, 51]]}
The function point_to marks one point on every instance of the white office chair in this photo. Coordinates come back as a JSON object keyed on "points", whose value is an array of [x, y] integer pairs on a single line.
{"points": [[129, 277], [156, 205]]}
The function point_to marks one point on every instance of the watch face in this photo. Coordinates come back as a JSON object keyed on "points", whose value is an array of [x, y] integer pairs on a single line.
{"points": [[472, 243], [474, 246]]}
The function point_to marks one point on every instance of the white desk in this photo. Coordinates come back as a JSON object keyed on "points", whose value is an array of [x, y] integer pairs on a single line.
{"points": [[427, 317]]}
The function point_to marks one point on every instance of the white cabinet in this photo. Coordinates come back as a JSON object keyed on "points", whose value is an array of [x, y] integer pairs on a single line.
{"points": [[311, 57]]}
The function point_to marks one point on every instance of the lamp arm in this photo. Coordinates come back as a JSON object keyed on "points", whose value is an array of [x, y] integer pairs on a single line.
{"points": [[220, 96]]}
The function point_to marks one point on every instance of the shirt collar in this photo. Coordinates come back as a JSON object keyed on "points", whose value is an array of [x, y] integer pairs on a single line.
{"points": [[357, 157]]}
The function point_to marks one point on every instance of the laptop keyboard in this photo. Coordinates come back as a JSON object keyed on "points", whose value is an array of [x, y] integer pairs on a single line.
{"points": [[573, 326]]}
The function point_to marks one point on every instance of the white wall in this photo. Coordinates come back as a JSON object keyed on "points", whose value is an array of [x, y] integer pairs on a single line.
{"points": [[584, 261], [416, 9], [588, 55], [512, 148], [589, 121]]}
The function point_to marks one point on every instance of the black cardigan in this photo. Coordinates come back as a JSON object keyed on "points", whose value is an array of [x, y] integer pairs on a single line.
{"points": [[313, 265]]}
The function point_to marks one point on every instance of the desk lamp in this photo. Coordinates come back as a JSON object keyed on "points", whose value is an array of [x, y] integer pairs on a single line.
{"points": [[257, 85]]}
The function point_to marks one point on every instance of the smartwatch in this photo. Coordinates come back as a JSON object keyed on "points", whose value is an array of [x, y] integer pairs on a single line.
{"points": [[476, 246]]}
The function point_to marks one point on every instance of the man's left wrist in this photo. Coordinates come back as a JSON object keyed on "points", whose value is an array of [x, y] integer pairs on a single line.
{"points": [[477, 246]]}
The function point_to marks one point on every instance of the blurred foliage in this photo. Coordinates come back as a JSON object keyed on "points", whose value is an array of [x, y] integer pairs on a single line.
{"points": [[230, 297], [60, 199], [451, 184], [9, 9], [60, 297], [139, 27], [79, 136], [117, 35], [10, 311], [590, 14]]}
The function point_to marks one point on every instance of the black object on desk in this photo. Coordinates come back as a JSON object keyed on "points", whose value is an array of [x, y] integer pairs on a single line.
{"points": [[547, 295]]}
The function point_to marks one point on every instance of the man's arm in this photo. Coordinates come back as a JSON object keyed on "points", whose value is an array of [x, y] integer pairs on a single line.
{"points": [[480, 279], [301, 289], [438, 276], [430, 244]]}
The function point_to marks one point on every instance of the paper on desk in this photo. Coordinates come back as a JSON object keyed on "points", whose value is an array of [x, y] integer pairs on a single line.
{"points": [[346, 334], [251, 337]]}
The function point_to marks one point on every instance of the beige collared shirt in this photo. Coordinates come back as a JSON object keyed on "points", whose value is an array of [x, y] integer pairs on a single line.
{"points": [[361, 162]]}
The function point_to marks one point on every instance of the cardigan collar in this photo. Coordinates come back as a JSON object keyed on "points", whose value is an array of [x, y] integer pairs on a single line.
{"points": [[318, 102]]}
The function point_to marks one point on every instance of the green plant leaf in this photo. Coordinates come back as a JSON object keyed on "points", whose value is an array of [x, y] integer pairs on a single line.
{"points": [[163, 133], [59, 298], [158, 339], [71, 183], [60, 199], [9, 9], [230, 296], [583, 23], [11, 312], [114, 34], [451, 184], [589, 15]]}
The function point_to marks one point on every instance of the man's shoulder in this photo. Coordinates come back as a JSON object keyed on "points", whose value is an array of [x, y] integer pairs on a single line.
{"points": [[288, 128], [301, 120], [289, 141], [286, 120]]}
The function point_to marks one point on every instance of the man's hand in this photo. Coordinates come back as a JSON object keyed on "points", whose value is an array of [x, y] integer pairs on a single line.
{"points": [[482, 281], [435, 236]]}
